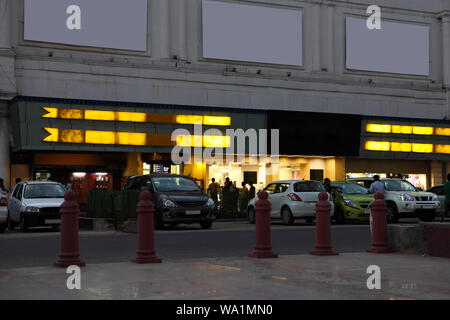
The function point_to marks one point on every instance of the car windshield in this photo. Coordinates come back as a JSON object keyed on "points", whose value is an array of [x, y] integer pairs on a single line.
{"points": [[398, 185], [309, 186], [44, 190], [174, 184], [351, 188]]}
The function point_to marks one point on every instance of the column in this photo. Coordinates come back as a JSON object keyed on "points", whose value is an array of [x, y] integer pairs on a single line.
{"points": [[330, 38], [436, 173], [446, 48], [5, 25], [160, 31], [316, 38], [179, 30], [4, 144]]}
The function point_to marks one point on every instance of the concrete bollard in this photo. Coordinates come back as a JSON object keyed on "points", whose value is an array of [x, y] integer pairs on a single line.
{"points": [[262, 248], [69, 253], [379, 225], [146, 240], [323, 228]]}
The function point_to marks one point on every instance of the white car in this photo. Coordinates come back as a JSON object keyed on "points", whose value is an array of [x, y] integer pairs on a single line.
{"points": [[3, 211], [404, 200], [291, 199], [35, 203]]}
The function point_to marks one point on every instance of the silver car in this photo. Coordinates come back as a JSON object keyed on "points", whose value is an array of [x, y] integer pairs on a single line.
{"points": [[35, 203], [291, 199]]}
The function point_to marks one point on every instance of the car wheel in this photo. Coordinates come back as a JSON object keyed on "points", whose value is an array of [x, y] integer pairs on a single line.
{"points": [[339, 216], [23, 224], [427, 217], [3, 227], [391, 213], [251, 216], [206, 224], [286, 216]]}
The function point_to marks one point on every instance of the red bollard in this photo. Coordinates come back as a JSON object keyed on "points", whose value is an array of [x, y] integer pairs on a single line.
{"points": [[146, 242], [379, 225], [263, 248], [323, 229], [69, 254]]}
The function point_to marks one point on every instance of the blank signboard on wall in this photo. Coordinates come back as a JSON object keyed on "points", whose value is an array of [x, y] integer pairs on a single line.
{"points": [[115, 24], [395, 48], [252, 33]]}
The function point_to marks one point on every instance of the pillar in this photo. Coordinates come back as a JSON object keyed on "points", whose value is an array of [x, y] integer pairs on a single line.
{"points": [[160, 30], [4, 144], [435, 173]]}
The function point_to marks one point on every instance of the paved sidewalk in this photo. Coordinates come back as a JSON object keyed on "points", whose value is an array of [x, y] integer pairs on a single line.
{"points": [[288, 277]]}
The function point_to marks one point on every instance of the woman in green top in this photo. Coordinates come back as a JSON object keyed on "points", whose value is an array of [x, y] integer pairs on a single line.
{"points": [[243, 198]]}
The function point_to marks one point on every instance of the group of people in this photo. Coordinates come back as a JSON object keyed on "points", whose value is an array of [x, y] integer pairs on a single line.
{"points": [[245, 194]]}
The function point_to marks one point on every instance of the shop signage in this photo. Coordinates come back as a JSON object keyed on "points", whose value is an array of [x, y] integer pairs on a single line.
{"points": [[101, 115]]}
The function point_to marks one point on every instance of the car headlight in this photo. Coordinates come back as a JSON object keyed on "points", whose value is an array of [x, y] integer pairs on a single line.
{"points": [[406, 197], [350, 203], [435, 197], [32, 209], [210, 203], [168, 204]]}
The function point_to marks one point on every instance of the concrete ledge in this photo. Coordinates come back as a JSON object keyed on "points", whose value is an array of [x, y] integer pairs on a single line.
{"points": [[407, 238], [96, 224], [438, 239]]}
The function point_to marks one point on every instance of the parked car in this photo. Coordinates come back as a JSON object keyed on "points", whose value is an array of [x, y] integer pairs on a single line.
{"points": [[439, 191], [291, 199], [404, 200], [35, 204], [3, 211], [177, 199], [351, 202]]}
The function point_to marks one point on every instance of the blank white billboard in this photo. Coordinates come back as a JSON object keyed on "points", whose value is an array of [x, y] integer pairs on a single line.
{"points": [[115, 24], [395, 48], [252, 33]]}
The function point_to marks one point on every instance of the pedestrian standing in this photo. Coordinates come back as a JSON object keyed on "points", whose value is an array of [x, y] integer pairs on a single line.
{"points": [[243, 198], [213, 189], [377, 185], [252, 191], [447, 196], [327, 185], [2, 186]]}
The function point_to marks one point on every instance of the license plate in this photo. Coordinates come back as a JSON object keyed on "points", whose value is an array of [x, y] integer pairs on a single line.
{"points": [[192, 212], [52, 221]]}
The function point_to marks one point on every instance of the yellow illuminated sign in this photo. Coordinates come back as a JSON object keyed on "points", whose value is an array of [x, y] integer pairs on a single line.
{"points": [[101, 115], [404, 129], [406, 147], [133, 138]]}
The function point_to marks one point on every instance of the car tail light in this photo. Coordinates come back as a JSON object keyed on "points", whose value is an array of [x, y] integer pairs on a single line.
{"points": [[3, 202], [331, 198], [294, 197]]}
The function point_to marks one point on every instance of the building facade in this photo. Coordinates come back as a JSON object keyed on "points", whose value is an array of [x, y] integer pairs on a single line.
{"points": [[92, 90]]}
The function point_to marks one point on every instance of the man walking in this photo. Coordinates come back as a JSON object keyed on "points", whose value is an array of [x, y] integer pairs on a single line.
{"points": [[377, 185]]}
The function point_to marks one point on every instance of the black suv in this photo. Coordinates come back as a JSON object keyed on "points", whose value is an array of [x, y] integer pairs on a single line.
{"points": [[177, 199]]}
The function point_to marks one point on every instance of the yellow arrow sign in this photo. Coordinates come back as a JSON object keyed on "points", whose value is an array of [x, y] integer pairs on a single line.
{"points": [[101, 115]]}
